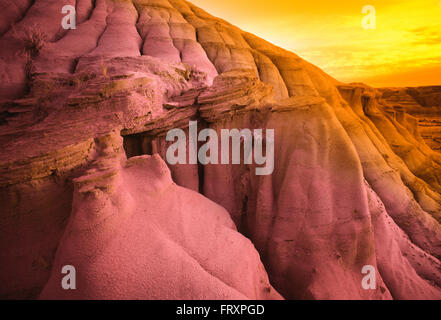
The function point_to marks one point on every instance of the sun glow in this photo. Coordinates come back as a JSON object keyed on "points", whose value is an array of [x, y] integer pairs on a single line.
{"points": [[403, 50]]}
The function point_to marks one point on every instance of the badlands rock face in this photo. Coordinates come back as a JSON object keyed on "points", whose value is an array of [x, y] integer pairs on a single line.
{"points": [[424, 104], [84, 115]]}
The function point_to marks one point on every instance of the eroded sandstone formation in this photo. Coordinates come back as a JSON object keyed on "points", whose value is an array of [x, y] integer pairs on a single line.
{"points": [[83, 119], [423, 103]]}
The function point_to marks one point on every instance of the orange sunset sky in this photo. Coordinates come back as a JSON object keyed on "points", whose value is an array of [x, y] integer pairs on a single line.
{"points": [[403, 50]]}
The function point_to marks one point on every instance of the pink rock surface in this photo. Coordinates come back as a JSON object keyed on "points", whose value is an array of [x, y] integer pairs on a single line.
{"points": [[129, 239]]}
